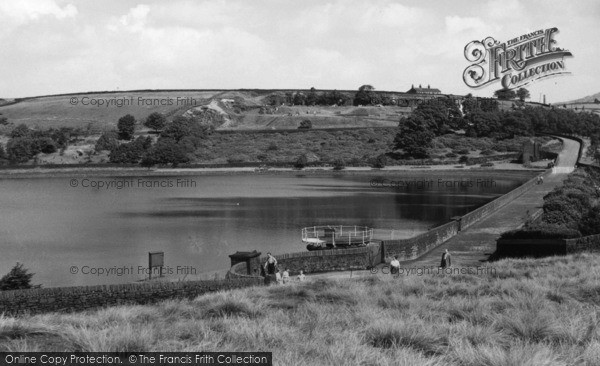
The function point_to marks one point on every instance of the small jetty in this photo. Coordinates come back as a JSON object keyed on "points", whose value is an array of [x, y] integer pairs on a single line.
{"points": [[336, 236]]}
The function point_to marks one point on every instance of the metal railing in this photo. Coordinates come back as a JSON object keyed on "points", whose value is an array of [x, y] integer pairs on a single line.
{"points": [[338, 234]]}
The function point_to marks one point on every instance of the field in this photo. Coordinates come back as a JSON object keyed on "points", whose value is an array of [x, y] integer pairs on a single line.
{"points": [[99, 112], [518, 312]]}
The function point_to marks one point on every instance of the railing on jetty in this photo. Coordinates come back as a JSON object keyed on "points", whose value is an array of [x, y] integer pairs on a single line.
{"points": [[337, 234]]}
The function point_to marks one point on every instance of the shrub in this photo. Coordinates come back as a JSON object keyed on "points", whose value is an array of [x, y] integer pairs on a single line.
{"points": [[463, 159], [380, 161], [17, 279], [463, 152], [339, 164], [487, 152], [451, 155], [301, 161], [305, 125], [272, 147]]}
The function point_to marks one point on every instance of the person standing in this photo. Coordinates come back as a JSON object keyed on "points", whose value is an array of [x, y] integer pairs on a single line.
{"points": [[286, 276], [270, 264], [446, 259], [301, 276], [395, 266]]}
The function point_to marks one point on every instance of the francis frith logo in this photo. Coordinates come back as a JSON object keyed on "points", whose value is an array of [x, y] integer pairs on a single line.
{"points": [[516, 62]]}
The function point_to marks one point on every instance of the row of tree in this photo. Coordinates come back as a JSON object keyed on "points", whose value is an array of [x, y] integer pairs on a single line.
{"points": [[176, 144], [436, 117], [25, 143]]}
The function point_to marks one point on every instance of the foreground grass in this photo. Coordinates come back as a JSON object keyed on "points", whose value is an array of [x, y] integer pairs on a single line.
{"points": [[529, 312]]}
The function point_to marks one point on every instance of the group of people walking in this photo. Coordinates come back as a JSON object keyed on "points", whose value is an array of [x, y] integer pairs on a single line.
{"points": [[281, 278], [446, 262]]}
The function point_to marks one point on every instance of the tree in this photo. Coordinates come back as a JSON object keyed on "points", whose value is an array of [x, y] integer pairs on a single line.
{"points": [[523, 94], [19, 149], [305, 125], [17, 279], [505, 94], [126, 127], [184, 127], [312, 97], [365, 95], [20, 131], [107, 141], [414, 136], [156, 121], [43, 144], [165, 151]]}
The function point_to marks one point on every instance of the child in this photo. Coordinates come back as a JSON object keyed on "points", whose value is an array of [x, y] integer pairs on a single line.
{"points": [[278, 277], [286, 276], [301, 276]]}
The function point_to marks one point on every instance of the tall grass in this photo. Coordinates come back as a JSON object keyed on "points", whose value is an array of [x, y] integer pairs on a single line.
{"points": [[529, 312]]}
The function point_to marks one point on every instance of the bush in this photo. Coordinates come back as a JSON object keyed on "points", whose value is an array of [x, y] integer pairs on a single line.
{"points": [[463, 152], [305, 125], [339, 164], [272, 147], [380, 161], [487, 152], [451, 155], [463, 159], [301, 162], [17, 279]]}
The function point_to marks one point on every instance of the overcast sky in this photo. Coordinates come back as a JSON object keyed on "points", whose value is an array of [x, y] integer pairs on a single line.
{"points": [[55, 46]]}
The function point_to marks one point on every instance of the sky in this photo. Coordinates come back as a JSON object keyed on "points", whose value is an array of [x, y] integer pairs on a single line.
{"points": [[56, 46]]}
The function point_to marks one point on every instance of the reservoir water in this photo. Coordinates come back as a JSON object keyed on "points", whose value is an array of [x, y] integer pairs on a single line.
{"points": [[69, 232]]}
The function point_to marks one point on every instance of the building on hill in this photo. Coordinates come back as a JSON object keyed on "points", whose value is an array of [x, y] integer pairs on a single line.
{"points": [[421, 90]]}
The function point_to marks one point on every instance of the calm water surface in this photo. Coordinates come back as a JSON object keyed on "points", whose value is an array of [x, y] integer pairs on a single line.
{"points": [[53, 227]]}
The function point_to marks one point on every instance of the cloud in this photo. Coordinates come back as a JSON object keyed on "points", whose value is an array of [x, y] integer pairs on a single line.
{"points": [[23, 11]]}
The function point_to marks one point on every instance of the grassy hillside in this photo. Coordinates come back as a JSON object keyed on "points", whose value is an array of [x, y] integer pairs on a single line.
{"points": [[523, 312], [100, 111], [57, 111]]}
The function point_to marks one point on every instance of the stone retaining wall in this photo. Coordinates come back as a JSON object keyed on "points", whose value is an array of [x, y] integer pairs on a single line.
{"points": [[66, 299], [546, 247], [413, 248]]}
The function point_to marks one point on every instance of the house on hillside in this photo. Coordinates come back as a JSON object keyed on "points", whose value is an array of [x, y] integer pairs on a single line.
{"points": [[421, 90]]}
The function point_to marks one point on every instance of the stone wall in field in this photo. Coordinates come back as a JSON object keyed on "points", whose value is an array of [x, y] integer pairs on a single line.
{"points": [[67, 299]]}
